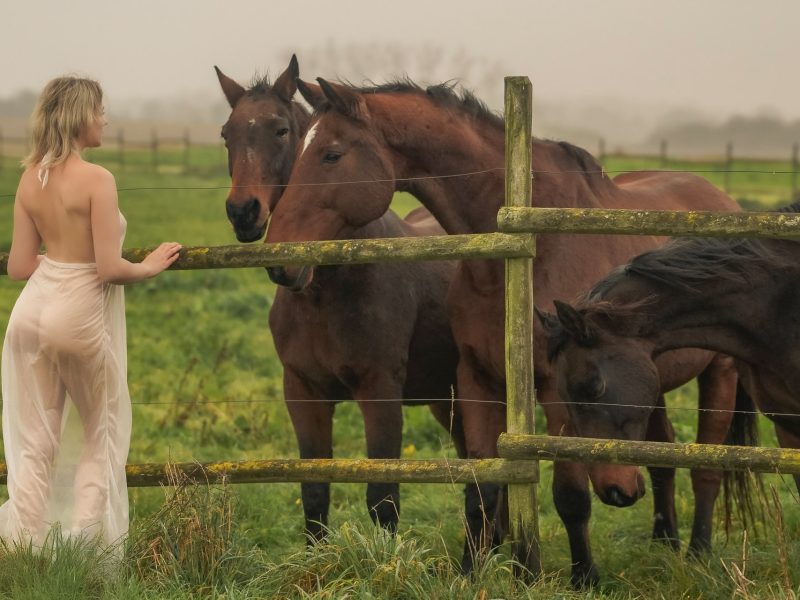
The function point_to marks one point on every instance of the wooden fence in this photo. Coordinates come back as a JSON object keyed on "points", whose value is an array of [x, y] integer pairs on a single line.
{"points": [[519, 448]]}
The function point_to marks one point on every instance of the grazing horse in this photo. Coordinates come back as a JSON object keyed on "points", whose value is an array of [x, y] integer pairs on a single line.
{"points": [[728, 295], [448, 151], [373, 333]]}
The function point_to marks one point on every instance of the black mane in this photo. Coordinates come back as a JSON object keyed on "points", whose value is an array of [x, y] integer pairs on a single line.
{"points": [[260, 84], [446, 94], [683, 264]]}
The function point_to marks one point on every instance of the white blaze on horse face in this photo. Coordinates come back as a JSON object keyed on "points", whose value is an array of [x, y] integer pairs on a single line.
{"points": [[309, 137], [251, 155]]}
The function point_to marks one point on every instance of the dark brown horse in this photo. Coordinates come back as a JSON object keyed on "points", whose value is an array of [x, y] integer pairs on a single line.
{"points": [[373, 333], [734, 296], [399, 136]]}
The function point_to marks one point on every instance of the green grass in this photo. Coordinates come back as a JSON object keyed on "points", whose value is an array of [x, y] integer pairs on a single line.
{"points": [[206, 385]]}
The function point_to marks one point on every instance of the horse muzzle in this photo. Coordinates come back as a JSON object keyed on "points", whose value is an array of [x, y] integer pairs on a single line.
{"points": [[244, 217], [292, 278], [618, 486]]}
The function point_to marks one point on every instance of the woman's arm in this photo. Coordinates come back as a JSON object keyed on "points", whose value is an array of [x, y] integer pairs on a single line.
{"points": [[25, 243], [106, 234]]}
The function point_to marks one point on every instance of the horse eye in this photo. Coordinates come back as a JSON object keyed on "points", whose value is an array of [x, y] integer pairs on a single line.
{"points": [[331, 157], [282, 132]]}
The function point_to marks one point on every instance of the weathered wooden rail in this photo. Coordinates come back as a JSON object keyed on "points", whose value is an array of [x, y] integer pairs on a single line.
{"points": [[241, 256], [650, 454], [490, 470]]}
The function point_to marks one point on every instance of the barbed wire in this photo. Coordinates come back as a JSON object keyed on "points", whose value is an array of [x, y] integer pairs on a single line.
{"points": [[454, 175]]}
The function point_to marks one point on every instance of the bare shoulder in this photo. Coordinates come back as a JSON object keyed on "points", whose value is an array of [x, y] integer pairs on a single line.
{"points": [[97, 181], [95, 174]]}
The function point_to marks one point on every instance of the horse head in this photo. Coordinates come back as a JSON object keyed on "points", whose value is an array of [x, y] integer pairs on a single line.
{"points": [[610, 385], [342, 178], [261, 135]]}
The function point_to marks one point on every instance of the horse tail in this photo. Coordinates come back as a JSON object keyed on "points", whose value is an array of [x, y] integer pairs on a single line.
{"points": [[738, 485]]}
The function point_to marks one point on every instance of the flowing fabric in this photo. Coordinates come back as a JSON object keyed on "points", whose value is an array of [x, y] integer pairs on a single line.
{"points": [[66, 407]]}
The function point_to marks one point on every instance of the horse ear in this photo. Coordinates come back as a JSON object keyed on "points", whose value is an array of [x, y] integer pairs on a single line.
{"points": [[311, 93], [548, 320], [286, 84], [232, 90], [343, 99], [575, 323]]}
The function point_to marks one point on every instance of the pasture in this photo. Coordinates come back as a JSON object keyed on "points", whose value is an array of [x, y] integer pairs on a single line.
{"points": [[206, 385]]}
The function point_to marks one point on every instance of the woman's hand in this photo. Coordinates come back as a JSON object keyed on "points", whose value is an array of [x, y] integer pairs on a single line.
{"points": [[161, 258]]}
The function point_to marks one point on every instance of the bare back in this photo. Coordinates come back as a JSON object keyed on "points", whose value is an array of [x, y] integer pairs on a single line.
{"points": [[61, 210]]}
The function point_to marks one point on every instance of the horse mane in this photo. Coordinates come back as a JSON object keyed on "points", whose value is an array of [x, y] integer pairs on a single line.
{"points": [[260, 84], [447, 94], [682, 264]]}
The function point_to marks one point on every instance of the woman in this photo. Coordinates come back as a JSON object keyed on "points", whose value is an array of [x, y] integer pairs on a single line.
{"points": [[66, 408]]}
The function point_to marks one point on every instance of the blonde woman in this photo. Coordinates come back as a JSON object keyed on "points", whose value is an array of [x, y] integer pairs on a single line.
{"points": [[66, 408]]}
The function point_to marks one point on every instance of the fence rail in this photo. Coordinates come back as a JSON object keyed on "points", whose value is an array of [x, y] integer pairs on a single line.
{"points": [[650, 454], [490, 470]]}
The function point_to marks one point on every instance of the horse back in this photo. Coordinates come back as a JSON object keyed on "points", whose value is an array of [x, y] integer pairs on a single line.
{"points": [[668, 190]]}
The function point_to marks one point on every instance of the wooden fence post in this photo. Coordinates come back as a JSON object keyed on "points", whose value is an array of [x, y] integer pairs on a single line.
{"points": [[186, 146], [121, 149], [728, 167], [522, 503], [795, 169], [154, 149]]}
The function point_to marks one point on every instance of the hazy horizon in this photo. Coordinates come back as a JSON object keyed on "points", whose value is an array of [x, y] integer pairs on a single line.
{"points": [[619, 68]]}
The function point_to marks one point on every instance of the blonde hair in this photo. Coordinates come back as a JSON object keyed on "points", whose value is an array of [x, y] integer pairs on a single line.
{"points": [[64, 110]]}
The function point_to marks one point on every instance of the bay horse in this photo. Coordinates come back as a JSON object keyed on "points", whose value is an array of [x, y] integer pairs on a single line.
{"points": [[369, 142], [727, 295], [373, 333]]}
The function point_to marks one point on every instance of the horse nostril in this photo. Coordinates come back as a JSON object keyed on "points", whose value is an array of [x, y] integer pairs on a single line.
{"points": [[245, 213], [615, 497]]}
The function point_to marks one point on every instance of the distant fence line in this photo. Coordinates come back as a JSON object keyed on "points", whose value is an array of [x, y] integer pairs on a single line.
{"points": [[158, 150], [178, 151], [726, 166]]}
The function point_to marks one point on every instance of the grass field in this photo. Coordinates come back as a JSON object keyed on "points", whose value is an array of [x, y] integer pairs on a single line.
{"points": [[206, 385]]}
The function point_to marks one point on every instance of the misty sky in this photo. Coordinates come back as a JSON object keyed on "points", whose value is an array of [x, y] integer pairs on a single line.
{"points": [[719, 56]]}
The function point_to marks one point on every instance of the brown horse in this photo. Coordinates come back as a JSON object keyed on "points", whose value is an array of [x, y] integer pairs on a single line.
{"points": [[373, 333], [740, 297], [399, 136]]}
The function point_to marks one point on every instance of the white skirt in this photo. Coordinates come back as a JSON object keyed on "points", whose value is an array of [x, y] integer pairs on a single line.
{"points": [[66, 407]]}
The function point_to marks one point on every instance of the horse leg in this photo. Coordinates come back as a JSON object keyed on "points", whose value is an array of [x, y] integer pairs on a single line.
{"points": [[483, 423], [383, 424], [717, 399], [665, 519], [313, 426], [449, 416]]}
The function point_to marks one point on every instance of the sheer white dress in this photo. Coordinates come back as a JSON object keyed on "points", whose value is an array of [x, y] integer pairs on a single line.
{"points": [[66, 407]]}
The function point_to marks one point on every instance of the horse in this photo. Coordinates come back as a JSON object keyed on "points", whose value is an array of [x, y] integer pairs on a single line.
{"points": [[373, 333], [727, 295], [447, 149]]}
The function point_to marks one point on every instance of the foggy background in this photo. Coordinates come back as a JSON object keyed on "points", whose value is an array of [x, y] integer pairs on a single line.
{"points": [[697, 74]]}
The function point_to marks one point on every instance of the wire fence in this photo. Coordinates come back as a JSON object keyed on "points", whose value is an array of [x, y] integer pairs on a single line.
{"points": [[181, 155]]}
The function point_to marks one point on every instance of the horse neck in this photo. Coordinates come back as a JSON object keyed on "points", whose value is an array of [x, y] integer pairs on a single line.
{"points": [[455, 164], [431, 147], [670, 318]]}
